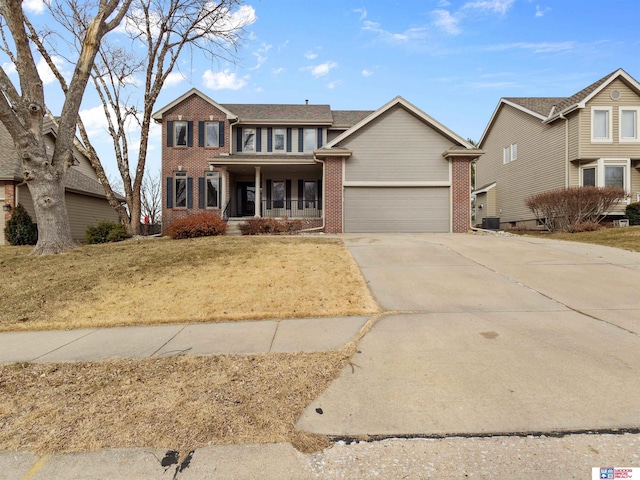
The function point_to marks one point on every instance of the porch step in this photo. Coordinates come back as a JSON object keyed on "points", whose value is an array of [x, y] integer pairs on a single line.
{"points": [[233, 228]]}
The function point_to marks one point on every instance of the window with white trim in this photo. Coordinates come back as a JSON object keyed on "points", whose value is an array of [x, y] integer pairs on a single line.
{"points": [[629, 130], [279, 139], [607, 172], [514, 151], [601, 124], [212, 134], [211, 190], [310, 139], [180, 133], [589, 177], [506, 154], [180, 189], [249, 139]]}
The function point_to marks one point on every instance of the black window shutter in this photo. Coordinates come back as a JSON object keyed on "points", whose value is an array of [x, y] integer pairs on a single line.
{"points": [[287, 186], [189, 134], [258, 139], [300, 194], [169, 192], [219, 192], [288, 139], [319, 137], [190, 192], [200, 192], [221, 135], [268, 194], [239, 139], [301, 139], [319, 194], [269, 139], [201, 134], [169, 134]]}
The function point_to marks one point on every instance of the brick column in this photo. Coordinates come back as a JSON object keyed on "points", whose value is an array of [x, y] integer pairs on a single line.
{"points": [[333, 195], [461, 194]]}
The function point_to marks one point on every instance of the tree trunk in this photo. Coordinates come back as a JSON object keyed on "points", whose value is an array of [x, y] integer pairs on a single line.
{"points": [[136, 212], [46, 186]]}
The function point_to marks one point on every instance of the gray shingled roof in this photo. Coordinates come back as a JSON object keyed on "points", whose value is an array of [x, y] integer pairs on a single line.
{"points": [[582, 94], [319, 114], [348, 118], [541, 105]]}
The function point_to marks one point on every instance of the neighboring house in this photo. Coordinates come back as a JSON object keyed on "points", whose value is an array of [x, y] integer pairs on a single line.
{"points": [[534, 145], [393, 169], [84, 195]]}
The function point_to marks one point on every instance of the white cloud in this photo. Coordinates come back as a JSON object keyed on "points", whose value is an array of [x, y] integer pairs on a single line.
{"points": [[495, 6], [9, 68], [366, 73], [321, 69], [541, 11], [224, 80], [407, 35], [310, 55], [261, 55], [46, 75], [277, 71], [445, 21], [541, 47], [444, 3], [33, 6], [362, 12], [173, 79], [334, 84]]}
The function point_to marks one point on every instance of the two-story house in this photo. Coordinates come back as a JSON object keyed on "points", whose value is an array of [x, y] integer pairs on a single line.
{"points": [[84, 195], [534, 145], [392, 169]]}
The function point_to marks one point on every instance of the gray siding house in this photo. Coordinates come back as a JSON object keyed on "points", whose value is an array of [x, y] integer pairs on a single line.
{"points": [[394, 169], [538, 144], [84, 195]]}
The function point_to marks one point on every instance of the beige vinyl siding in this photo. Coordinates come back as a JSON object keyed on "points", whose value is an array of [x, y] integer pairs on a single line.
{"points": [[489, 205], [635, 182], [397, 147], [83, 210], [575, 120], [331, 134], [615, 149], [540, 165]]}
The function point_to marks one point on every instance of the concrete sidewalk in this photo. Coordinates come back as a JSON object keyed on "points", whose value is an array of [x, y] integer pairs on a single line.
{"points": [[247, 337]]}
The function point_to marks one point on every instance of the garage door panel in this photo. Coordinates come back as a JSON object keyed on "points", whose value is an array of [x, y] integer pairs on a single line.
{"points": [[396, 209]]}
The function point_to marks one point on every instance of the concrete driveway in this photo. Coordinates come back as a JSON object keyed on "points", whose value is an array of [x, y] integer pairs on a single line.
{"points": [[487, 335]]}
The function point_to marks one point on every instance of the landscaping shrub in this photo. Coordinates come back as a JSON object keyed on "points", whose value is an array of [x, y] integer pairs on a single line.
{"points": [[270, 226], [105, 231], [566, 208], [633, 213], [199, 225], [586, 227], [20, 229]]}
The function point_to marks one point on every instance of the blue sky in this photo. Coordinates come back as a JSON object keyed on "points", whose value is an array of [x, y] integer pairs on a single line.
{"points": [[453, 59]]}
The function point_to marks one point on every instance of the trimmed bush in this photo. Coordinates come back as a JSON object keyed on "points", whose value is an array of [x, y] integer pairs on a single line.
{"points": [[566, 208], [105, 231], [270, 226], [199, 225], [20, 229], [633, 213]]}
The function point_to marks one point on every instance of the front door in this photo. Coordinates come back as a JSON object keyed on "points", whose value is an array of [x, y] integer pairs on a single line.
{"points": [[246, 192]]}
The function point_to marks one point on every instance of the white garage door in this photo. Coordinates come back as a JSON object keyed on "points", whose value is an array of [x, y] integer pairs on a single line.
{"points": [[394, 209]]}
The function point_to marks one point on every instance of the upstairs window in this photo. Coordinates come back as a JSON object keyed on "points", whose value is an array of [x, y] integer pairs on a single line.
{"points": [[309, 139], [212, 134], [279, 139], [249, 139], [601, 124], [506, 154], [629, 131], [180, 133], [514, 151]]}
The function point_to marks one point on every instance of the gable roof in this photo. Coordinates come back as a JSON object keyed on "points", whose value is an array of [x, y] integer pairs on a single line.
{"points": [[549, 109], [409, 107], [194, 91], [348, 118]]}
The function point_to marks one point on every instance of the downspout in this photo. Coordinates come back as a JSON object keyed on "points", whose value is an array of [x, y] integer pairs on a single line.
{"points": [[324, 198], [16, 190], [566, 150]]}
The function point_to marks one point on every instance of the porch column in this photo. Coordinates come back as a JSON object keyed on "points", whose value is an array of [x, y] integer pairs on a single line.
{"points": [[258, 200]]}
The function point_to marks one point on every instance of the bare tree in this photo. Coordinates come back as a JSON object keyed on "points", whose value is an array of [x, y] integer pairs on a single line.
{"points": [[165, 29], [22, 113], [152, 198]]}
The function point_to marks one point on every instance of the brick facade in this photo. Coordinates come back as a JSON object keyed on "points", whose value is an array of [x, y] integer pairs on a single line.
{"points": [[460, 194], [9, 194], [333, 195], [193, 160]]}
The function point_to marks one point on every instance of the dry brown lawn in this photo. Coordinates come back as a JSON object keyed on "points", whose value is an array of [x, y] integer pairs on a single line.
{"points": [[180, 403], [166, 281], [627, 238]]}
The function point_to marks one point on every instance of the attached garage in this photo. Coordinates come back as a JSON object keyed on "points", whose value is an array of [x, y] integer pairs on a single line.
{"points": [[397, 209]]}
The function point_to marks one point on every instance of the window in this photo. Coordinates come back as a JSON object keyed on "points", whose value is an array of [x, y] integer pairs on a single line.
{"points": [[180, 189], [601, 124], [629, 131], [278, 137], [277, 194], [309, 139], [514, 151], [310, 194], [249, 139], [212, 134], [506, 155], [180, 133], [211, 189], [589, 177], [614, 176]]}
